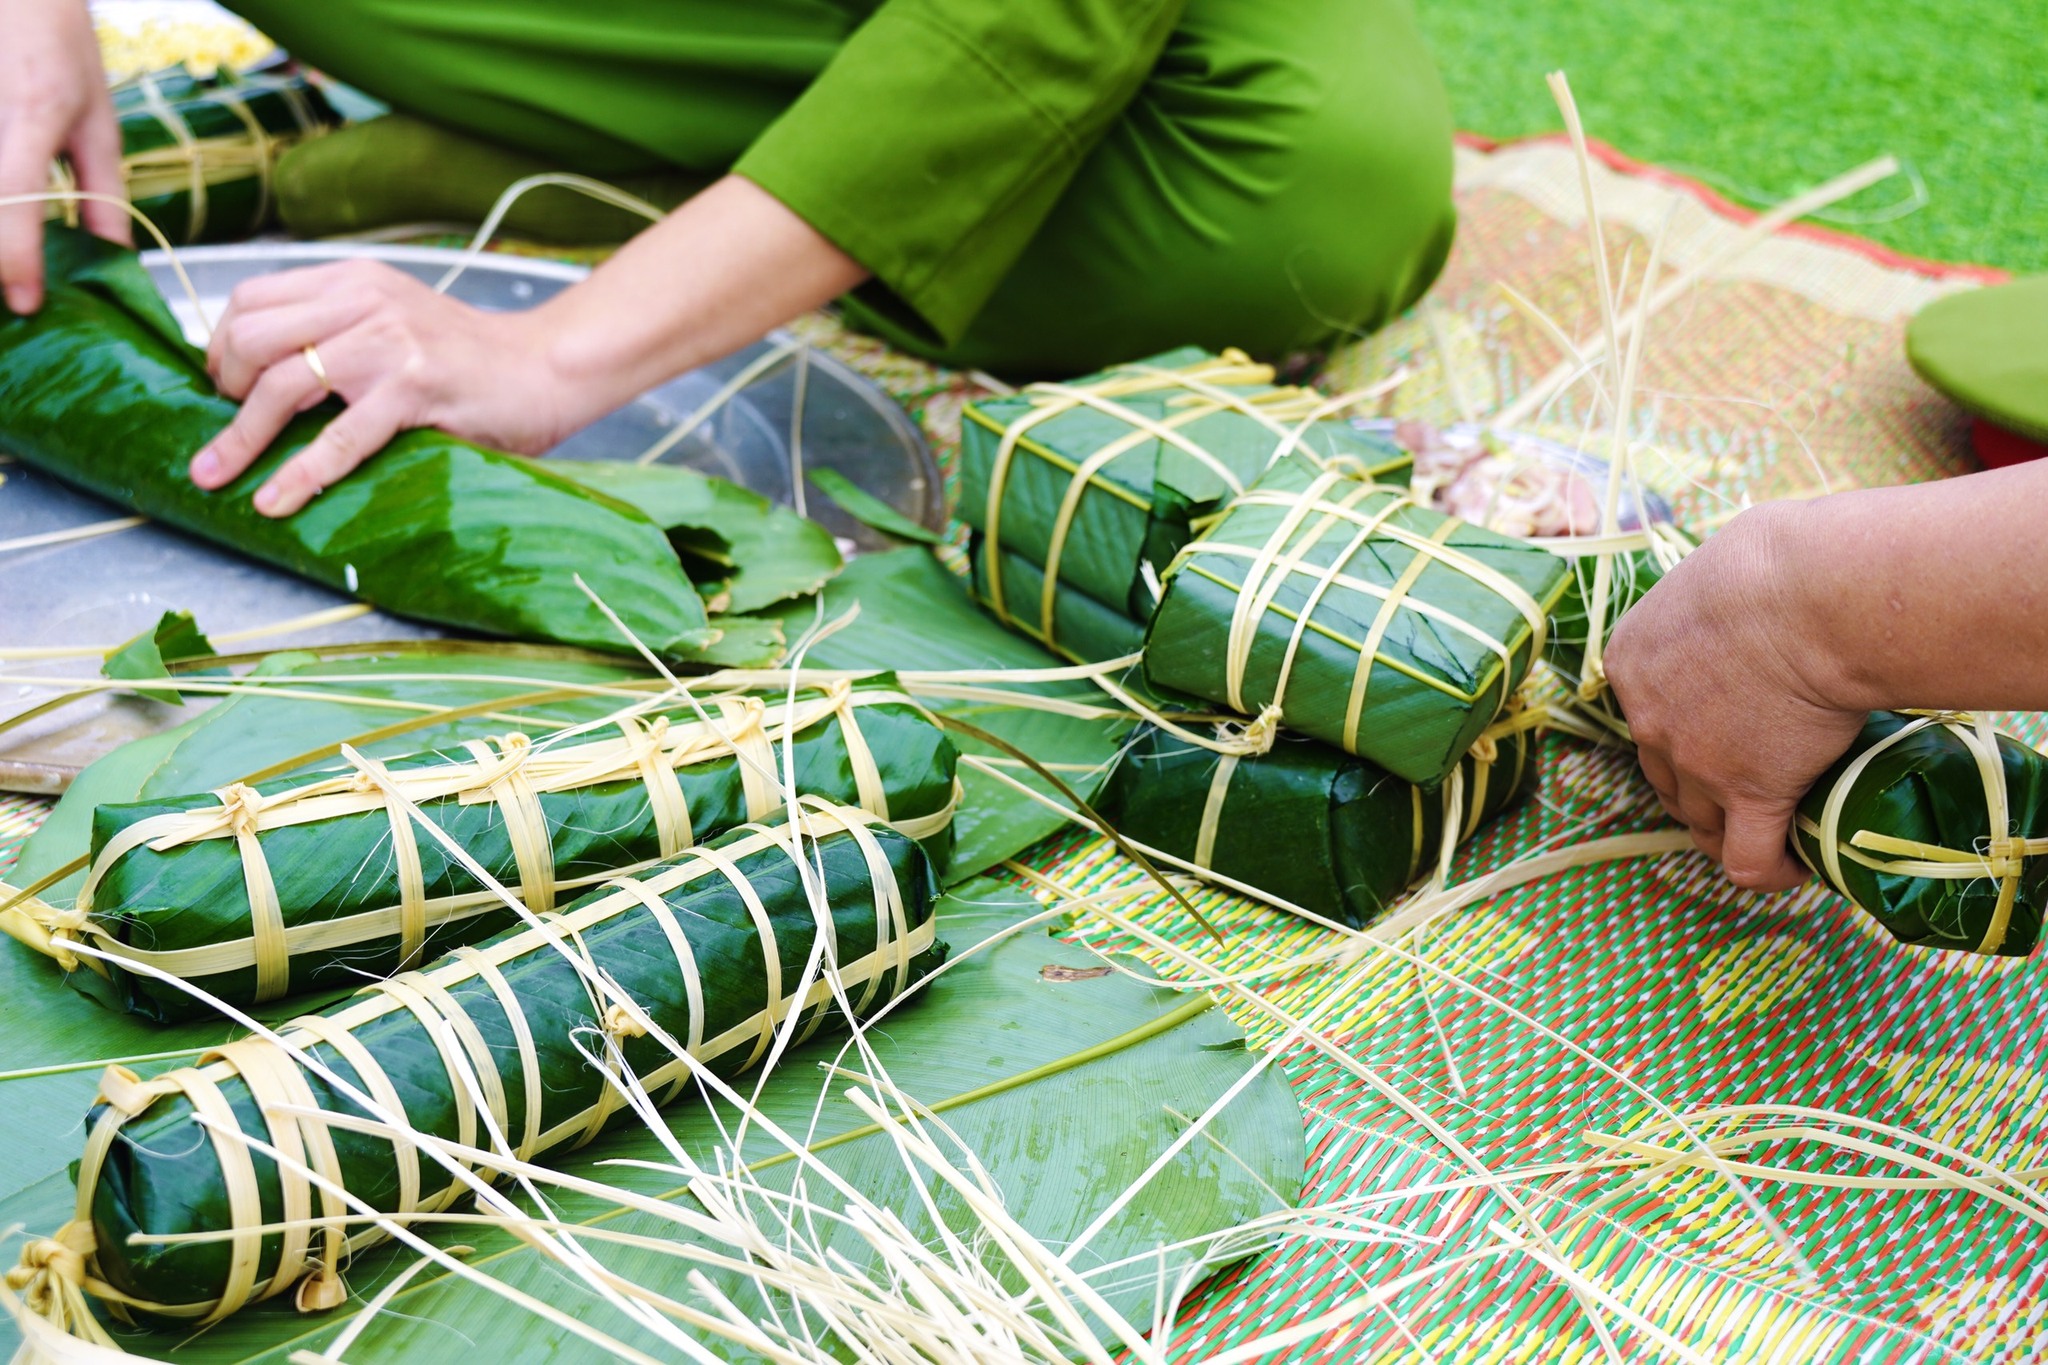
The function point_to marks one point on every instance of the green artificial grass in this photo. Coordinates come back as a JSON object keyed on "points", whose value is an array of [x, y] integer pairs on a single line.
{"points": [[1762, 100]]}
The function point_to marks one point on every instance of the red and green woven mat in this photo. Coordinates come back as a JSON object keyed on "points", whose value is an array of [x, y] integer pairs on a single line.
{"points": [[1467, 1092]]}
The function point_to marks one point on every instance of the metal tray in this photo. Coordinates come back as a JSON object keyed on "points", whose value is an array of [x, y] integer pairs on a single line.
{"points": [[105, 590]]}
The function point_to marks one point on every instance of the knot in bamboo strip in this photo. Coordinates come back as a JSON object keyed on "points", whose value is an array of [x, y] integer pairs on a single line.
{"points": [[242, 808], [50, 1262]]}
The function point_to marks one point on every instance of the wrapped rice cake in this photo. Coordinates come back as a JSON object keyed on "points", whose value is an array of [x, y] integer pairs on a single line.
{"points": [[1304, 823], [312, 882], [1936, 825], [1341, 609], [1097, 482], [197, 156], [702, 953]]}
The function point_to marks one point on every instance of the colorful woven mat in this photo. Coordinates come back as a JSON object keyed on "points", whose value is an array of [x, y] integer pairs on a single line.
{"points": [[1459, 1211]]}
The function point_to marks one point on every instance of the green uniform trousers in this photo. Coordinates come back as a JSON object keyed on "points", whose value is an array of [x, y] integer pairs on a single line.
{"points": [[1039, 187]]}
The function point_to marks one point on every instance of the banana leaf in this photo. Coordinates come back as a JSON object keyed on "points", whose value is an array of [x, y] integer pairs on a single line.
{"points": [[1372, 623], [1097, 480], [103, 391], [1308, 824], [714, 968], [171, 881], [744, 551], [1084, 630], [1063, 1081], [198, 155], [916, 615], [1936, 826]]}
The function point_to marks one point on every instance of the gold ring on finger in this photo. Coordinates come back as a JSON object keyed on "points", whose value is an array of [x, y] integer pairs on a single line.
{"points": [[319, 370]]}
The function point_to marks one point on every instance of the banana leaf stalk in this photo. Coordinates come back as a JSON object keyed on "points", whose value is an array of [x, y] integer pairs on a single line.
{"points": [[318, 881], [197, 155], [1935, 825], [103, 391], [522, 1038], [1338, 607], [1097, 480], [1307, 824]]}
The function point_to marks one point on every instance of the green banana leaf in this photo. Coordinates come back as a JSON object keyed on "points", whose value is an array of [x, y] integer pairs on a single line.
{"points": [[914, 614], [174, 637], [1084, 630], [1072, 1082], [1139, 508], [739, 546], [103, 391], [177, 129], [1918, 778], [1635, 572], [1338, 836], [171, 906], [1435, 680]]}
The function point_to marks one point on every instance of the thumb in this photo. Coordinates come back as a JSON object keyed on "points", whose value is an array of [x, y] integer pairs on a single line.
{"points": [[1755, 851]]}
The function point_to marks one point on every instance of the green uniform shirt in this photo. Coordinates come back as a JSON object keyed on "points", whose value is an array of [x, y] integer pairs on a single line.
{"points": [[1037, 185]]}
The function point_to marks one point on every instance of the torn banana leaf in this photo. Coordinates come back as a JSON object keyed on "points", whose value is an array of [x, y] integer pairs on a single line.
{"points": [[1097, 480], [103, 391], [314, 882], [1084, 630], [197, 156], [1305, 823], [1351, 614], [706, 951], [1937, 827], [174, 637], [745, 552], [915, 615]]}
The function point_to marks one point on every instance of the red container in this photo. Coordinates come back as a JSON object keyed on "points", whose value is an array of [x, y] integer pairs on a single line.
{"points": [[1997, 447]]}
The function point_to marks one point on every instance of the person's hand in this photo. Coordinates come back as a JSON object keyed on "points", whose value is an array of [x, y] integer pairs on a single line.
{"points": [[53, 98], [1733, 702], [399, 354]]}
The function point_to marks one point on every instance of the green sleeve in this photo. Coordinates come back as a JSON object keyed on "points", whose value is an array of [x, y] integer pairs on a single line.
{"points": [[938, 139]]}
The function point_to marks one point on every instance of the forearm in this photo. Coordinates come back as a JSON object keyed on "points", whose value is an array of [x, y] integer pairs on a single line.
{"points": [[1933, 595], [716, 275]]}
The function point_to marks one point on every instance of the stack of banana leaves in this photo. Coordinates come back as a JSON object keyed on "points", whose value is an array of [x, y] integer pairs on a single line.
{"points": [[1080, 494], [104, 391], [198, 155]]}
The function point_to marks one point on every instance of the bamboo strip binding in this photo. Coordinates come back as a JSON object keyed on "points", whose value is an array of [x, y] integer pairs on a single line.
{"points": [[2001, 859], [510, 772], [1283, 554], [1287, 412], [56, 1273]]}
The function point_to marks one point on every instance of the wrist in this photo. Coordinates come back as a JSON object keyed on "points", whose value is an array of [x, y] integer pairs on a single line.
{"points": [[1825, 646]]}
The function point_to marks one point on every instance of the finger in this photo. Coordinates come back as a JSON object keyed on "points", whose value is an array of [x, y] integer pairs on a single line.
{"points": [[1663, 780], [282, 287], [361, 431], [280, 394], [30, 140], [246, 343], [96, 161], [1755, 851]]}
